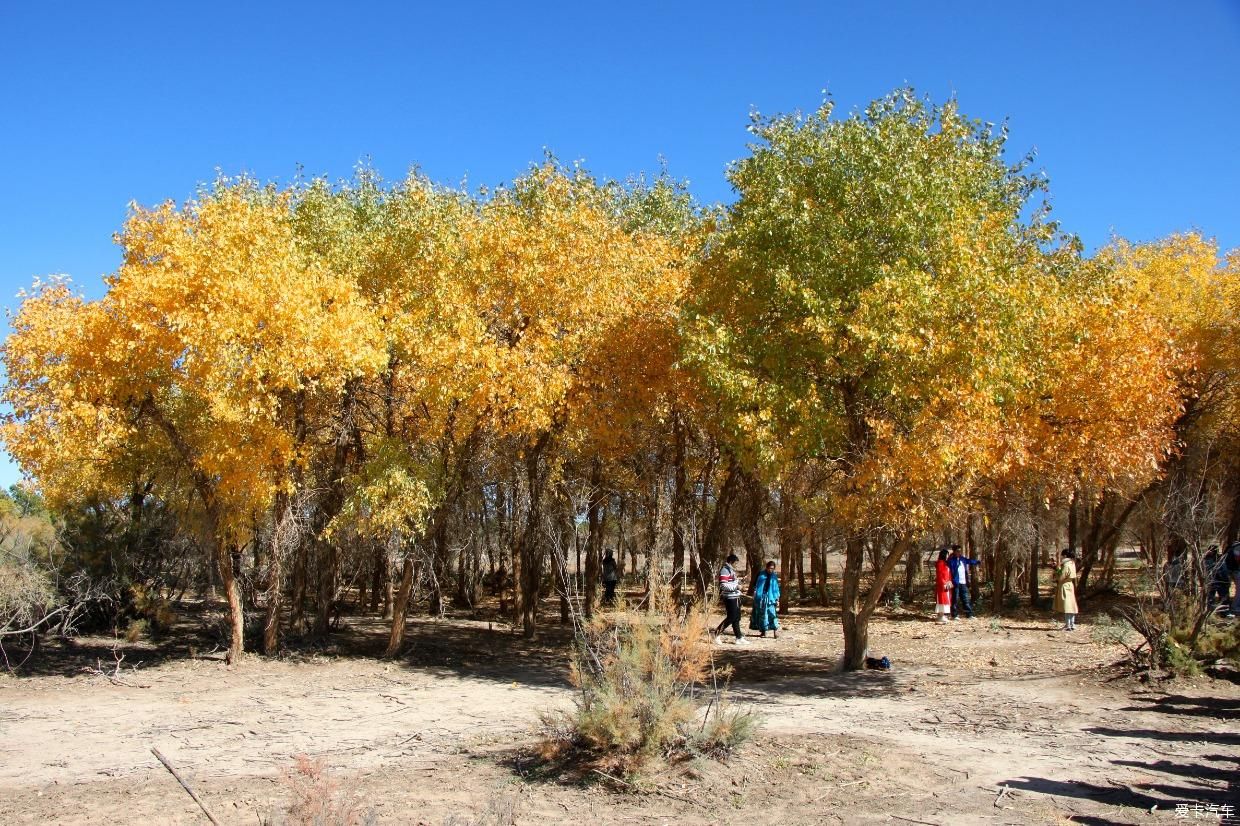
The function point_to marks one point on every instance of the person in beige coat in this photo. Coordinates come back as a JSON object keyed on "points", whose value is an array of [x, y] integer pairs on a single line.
{"points": [[1065, 589]]}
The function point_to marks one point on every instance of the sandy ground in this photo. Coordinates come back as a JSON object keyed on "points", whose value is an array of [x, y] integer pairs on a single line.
{"points": [[1005, 722]]}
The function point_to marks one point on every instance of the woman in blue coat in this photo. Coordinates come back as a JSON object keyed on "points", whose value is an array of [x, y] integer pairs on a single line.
{"points": [[766, 602]]}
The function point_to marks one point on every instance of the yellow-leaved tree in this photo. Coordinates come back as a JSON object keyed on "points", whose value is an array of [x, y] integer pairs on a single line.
{"points": [[216, 319], [562, 272], [865, 309]]}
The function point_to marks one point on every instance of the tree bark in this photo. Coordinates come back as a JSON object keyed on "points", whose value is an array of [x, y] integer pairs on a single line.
{"points": [[714, 544], [820, 564], [595, 537], [751, 530], [680, 503], [347, 445], [1035, 557], [400, 607], [528, 553], [857, 608]]}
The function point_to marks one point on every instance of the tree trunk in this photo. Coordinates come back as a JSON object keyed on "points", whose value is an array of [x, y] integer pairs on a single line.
{"points": [[652, 538], [400, 606], [789, 545], [1000, 574], [800, 563], [527, 558], [347, 445], [379, 576], [329, 571], [751, 531], [820, 560], [236, 612], [300, 563], [680, 504], [1035, 556], [715, 542], [856, 625], [910, 572], [595, 538], [439, 553], [275, 577], [857, 608], [560, 566], [271, 626], [970, 542]]}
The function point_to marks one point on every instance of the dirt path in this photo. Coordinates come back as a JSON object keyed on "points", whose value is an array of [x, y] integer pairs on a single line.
{"points": [[970, 710]]}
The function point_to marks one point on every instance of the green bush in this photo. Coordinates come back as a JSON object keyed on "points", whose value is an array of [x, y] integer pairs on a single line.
{"points": [[1178, 659], [1106, 630], [1219, 640]]}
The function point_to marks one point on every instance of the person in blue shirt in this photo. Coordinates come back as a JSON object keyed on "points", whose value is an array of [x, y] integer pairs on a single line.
{"points": [[766, 602], [959, 565]]}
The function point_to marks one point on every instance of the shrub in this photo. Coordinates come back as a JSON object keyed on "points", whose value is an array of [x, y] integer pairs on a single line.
{"points": [[1219, 640], [317, 800], [1178, 659], [724, 731], [643, 681], [1106, 630], [152, 607], [26, 592]]}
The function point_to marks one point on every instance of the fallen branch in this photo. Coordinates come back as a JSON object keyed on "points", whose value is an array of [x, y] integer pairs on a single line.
{"points": [[1002, 792], [185, 786], [115, 677], [912, 820]]}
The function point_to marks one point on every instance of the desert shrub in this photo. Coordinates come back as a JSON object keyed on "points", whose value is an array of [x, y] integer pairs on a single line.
{"points": [[1219, 640], [1107, 630], [136, 630], [317, 800], [153, 608], [647, 686], [722, 732], [26, 592], [1178, 659]]}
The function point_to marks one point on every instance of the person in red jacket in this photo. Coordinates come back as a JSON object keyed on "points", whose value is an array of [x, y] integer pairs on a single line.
{"points": [[942, 587]]}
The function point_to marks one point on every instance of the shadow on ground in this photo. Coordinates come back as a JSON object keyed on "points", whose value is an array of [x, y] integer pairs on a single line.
{"points": [[1215, 707], [1163, 783]]}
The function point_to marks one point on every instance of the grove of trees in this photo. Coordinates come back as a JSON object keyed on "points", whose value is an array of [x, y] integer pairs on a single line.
{"points": [[401, 395]]}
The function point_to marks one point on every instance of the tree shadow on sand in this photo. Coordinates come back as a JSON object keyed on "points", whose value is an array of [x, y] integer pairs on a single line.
{"points": [[1163, 783], [1217, 707]]}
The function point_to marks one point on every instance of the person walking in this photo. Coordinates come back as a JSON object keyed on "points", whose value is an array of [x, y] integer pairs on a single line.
{"points": [[942, 587], [611, 576], [730, 593], [1065, 589], [959, 565], [766, 602]]}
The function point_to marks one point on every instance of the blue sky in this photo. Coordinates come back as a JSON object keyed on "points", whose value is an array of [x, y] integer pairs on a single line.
{"points": [[1133, 107]]}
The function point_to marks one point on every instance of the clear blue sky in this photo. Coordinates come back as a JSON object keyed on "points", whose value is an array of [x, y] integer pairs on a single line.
{"points": [[1133, 107]]}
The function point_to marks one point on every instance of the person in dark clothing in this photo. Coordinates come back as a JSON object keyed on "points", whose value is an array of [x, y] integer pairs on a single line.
{"points": [[611, 576], [958, 565], [730, 593], [1215, 579]]}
